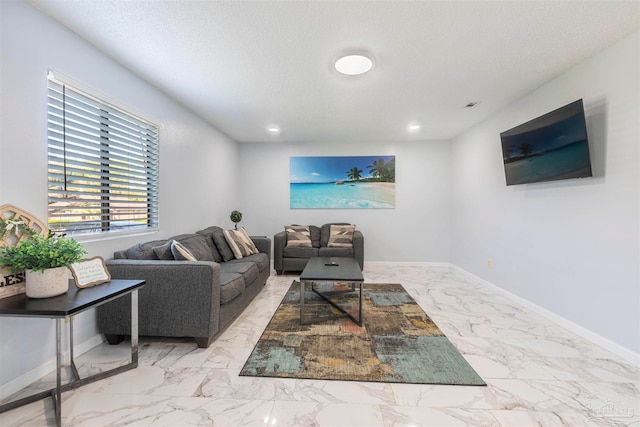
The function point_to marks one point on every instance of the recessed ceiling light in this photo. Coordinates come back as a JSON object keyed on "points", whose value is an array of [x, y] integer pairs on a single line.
{"points": [[354, 64], [413, 127], [273, 130]]}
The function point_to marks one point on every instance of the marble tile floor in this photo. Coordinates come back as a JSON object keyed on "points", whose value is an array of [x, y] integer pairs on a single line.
{"points": [[537, 373]]}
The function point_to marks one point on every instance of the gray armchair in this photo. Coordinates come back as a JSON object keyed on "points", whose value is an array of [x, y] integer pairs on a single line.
{"points": [[286, 258]]}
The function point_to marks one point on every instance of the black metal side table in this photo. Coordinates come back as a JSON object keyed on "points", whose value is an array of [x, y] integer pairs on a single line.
{"points": [[63, 307]]}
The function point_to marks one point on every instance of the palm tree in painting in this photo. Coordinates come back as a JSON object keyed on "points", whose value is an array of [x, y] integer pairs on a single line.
{"points": [[525, 149], [390, 171], [385, 172], [377, 168], [354, 173]]}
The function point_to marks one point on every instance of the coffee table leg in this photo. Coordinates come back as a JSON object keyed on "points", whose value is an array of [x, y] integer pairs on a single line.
{"points": [[302, 292], [360, 306]]}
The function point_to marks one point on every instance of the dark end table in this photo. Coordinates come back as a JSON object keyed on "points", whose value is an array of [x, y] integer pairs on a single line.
{"points": [[65, 306]]}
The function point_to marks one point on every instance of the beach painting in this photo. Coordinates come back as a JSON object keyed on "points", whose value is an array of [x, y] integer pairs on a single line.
{"points": [[343, 182]]}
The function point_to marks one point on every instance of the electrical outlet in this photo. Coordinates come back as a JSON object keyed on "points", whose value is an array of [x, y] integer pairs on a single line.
{"points": [[489, 263]]}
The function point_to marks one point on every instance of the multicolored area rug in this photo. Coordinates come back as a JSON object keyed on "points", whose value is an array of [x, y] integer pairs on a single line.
{"points": [[398, 343]]}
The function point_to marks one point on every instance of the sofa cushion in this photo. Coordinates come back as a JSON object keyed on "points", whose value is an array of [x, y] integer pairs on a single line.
{"points": [[293, 252], [240, 243], [197, 245], [261, 260], [163, 252], [325, 233], [208, 234], [298, 236], [314, 230], [248, 270], [341, 236], [336, 252], [144, 250], [231, 285], [223, 247], [181, 253]]}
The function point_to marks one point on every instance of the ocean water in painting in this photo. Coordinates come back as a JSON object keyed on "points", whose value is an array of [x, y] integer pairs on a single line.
{"points": [[349, 195]]}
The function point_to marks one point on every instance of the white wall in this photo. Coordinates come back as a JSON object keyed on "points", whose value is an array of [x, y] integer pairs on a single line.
{"points": [[418, 229], [571, 246], [196, 161]]}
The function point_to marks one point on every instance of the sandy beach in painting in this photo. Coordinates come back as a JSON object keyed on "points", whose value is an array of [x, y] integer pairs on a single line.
{"points": [[349, 195]]}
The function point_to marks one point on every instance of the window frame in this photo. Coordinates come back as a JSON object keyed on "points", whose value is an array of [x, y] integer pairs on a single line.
{"points": [[103, 163]]}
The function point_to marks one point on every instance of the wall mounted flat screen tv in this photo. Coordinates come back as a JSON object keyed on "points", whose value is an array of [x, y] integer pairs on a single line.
{"points": [[548, 148]]}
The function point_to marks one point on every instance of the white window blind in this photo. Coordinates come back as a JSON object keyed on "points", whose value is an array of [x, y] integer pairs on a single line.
{"points": [[102, 166]]}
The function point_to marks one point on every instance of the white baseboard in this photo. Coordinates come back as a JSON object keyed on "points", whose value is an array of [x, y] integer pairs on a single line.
{"points": [[24, 380], [408, 263], [615, 348]]}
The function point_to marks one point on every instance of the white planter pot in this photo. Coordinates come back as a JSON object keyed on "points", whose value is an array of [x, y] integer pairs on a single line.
{"points": [[47, 283]]}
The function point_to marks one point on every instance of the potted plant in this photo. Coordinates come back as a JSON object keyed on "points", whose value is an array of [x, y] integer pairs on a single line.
{"points": [[45, 261], [236, 217]]}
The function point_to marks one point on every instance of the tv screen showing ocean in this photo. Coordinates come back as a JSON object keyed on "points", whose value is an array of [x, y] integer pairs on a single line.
{"points": [[343, 195]]}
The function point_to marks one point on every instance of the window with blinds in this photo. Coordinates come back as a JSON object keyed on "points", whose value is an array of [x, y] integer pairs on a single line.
{"points": [[102, 166]]}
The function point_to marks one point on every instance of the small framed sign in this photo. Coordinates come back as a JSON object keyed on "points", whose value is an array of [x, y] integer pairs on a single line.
{"points": [[90, 272]]}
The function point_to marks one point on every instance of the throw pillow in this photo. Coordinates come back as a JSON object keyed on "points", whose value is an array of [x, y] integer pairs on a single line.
{"points": [[163, 252], [341, 236], [197, 245], [208, 233], [180, 252], [325, 231], [298, 236], [240, 243], [223, 247]]}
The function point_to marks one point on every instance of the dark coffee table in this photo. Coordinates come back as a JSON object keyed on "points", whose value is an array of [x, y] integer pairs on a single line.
{"points": [[331, 270]]}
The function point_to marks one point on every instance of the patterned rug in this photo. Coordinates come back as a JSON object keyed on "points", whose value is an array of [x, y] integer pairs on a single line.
{"points": [[398, 342]]}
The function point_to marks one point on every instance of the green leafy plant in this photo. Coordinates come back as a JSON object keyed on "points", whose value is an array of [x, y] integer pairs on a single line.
{"points": [[236, 217], [39, 253]]}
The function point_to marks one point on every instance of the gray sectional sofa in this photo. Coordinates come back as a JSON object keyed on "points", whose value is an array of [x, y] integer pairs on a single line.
{"points": [[293, 259], [185, 298]]}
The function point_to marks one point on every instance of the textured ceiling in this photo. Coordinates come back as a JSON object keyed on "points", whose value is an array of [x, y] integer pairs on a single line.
{"points": [[244, 65]]}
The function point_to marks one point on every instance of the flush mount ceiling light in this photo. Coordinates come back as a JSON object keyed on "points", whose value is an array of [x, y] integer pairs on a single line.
{"points": [[413, 127], [354, 64], [273, 130]]}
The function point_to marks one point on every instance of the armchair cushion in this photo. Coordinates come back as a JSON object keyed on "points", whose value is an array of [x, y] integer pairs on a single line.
{"points": [[298, 236], [341, 236], [293, 252], [325, 233], [337, 252], [315, 235]]}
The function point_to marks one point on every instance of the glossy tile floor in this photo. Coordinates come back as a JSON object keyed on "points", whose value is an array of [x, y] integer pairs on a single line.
{"points": [[538, 373]]}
